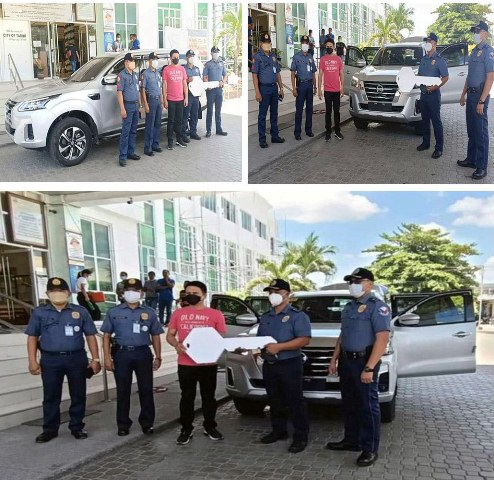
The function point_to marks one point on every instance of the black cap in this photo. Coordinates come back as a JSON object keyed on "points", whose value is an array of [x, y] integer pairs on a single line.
{"points": [[431, 36], [266, 38], [153, 56], [190, 53], [359, 274], [128, 56], [215, 49], [278, 284], [57, 283], [304, 39], [482, 25], [132, 283]]}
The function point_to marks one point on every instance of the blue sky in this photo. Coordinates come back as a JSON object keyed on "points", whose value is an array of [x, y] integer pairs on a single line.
{"points": [[353, 221]]}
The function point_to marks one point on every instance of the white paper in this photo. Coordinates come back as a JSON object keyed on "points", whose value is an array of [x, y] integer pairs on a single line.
{"points": [[407, 80]]}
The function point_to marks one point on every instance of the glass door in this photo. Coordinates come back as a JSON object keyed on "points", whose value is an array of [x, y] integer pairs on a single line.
{"points": [[55, 64], [40, 50]]}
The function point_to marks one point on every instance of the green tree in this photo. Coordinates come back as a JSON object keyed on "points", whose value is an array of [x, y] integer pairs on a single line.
{"points": [[386, 32], [401, 17], [232, 34], [415, 259], [455, 19]]}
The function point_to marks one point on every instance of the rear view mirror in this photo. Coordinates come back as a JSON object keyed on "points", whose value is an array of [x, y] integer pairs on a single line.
{"points": [[110, 79], [246, 319], [409, 319]]}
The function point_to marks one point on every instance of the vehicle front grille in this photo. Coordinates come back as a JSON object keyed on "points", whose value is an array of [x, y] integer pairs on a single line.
{"points": [[380, 91], [364, 106], [317, 362], [9, 105]]}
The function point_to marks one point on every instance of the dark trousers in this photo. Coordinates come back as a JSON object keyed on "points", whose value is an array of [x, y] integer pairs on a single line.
{"points": [[189, 377], [153, 124], [175, 115], [162, 306], [269, 100], [305, 94], [332, 100], [283, 381], [191, 113], [360, 401], [430, 108], [151, 302], [139, 362], [129, 130], [53, 370], [215, 100], [478, 131]]}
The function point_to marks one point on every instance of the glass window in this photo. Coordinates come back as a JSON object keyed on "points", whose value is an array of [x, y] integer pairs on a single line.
{"points": [[187, 245], [125, 21], [209, 201], [454, 55], [246, 221], [440, 310], [87, 238], [170, 235], [231, 308], [169, 15], [229, 210], [261, 229], [146, 235], [149, 214], [322, 309]]}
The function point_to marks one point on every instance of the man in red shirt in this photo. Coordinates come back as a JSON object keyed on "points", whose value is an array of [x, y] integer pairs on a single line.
{"points": [[183, 320], [175, 95], [331, 68]]}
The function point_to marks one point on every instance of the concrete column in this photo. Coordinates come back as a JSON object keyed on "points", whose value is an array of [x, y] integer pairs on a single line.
{"points": [[147, 23], [100, 34]]}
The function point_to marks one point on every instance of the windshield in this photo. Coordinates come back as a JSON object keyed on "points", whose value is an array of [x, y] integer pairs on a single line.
{"points": [[402, 56], [91, 70], [322, 309]]}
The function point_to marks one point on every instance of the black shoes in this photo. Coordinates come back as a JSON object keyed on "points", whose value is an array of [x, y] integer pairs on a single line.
{"points": [[186, 139], [133, 157], [223, 134], [46, 437], [338, 135], [79, 434], [185, 437], [147, 430], [310, 134], [277, 140], [298, 137], [343, 445], [213, 434], [181, 143], [194, 136], [149, 154], [274, 437], [170, 146], [122, 163], [208, 134], [123, 432], [437, 154], [264, 144], [328, 136], [479, 174], [466, 163], [158, 150], [423, 147], [366, 459], [297, 446]]}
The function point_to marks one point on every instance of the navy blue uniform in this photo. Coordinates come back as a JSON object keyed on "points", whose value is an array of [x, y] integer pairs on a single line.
{"points": [[267, 68], [215, 71], [283, 373], [191, 111], [480, 63], [304, 68], [151, 83], [61, 337], [430, 102], [133, 329], [361, 319], [128, 84]]}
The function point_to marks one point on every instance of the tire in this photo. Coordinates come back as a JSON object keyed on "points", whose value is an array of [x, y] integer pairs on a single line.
{"points": [[360, 124], [70, 141], [248, 407], [418, 128], [388, 410]]}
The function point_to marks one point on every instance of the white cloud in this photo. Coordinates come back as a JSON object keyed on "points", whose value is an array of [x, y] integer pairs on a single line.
{"points": [[474, 211], [316, 207], [488, 271], [435, 226]]}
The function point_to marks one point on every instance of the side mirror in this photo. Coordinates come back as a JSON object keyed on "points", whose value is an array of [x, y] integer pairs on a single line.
{"points": [[110, 79], [246, 320], [409, 319], [361, 63]]}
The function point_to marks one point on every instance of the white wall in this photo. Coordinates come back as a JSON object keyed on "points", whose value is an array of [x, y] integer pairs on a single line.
{"points": [[147, 23]]}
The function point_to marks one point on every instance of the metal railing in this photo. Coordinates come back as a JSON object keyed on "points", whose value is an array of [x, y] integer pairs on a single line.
{"points": [[106, 394], [12, 300], [14, 73]]}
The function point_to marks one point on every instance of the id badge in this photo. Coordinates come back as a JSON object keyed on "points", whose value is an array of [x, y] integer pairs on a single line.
{"points": [[308, 68], [137, 328], [69, 331], [274, 69]]}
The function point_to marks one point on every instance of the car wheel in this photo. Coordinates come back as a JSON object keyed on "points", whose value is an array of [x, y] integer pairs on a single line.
{"points": [[388, 410], [70, 141], [360, 124], [248, 407]]}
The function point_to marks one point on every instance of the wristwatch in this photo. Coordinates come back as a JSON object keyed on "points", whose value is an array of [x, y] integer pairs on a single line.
{"points": [[96, 360], [481, 102], [367, 369]]}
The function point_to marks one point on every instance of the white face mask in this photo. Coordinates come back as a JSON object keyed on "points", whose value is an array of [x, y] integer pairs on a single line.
{"points": [[191, 60], [275, 299], [216, 56], [305, 47], [58, 298], [356, 290], [154, 63], [428, 47], [131, 296], [476, 38]]}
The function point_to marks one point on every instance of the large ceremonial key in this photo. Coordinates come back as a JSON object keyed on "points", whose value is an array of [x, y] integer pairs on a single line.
{"points": [[197, 86], [407, 80], [205, 345]]}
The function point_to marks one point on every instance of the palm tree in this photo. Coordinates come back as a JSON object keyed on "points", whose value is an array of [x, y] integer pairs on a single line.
{"points": [[386, 32], [232, 34], [401, 18]]}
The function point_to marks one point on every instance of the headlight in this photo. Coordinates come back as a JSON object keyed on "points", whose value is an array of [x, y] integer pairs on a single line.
{"points": [[37, 104], [357, 83]]}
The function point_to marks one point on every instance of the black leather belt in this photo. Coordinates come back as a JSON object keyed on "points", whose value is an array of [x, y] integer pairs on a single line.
{"points": [[305, 81], [135, 101], [62, 354], [475, 89], [131, 348], [267, 84], [355, 355], [153, 96]]}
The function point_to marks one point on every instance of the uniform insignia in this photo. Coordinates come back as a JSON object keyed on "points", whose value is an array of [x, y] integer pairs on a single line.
{"points": [[433, 62], [144, 316], [362, 308], [132, 281], [76, 314], [145, 328], [56, 281], [479, 53], [273, 283], [285, 318], [384, 310], [77, 328], [491, 55]]}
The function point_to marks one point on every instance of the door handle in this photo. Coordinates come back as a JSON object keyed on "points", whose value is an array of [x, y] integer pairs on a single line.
{"points": [[461, 334], [462, 74]]}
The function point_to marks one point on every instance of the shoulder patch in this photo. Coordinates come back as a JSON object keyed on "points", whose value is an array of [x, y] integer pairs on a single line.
{"points": [[384, 310], [491, 55]]}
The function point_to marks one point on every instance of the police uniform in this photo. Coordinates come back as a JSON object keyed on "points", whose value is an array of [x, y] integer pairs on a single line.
{"points": [[283, 373], [304, 67], [191, 111], [61, 342], [215, 72], [480, 63], [267, 68], [430, 102], [128, 84], [151, 84]]}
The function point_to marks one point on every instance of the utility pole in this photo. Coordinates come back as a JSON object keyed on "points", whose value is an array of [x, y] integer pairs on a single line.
{"points": [[482, 268]]}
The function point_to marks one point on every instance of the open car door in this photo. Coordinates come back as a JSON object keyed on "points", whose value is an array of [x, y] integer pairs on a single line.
{"points": [[240, 317], [354, 62], [456, 57]]}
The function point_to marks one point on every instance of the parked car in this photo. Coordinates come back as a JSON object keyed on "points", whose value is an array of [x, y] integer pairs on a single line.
{"points": [[67, 117], [434, 335], [372, 87]]}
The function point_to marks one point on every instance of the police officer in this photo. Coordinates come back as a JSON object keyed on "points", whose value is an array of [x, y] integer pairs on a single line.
{"points": [[191, 111], [304, 73], [432, 65], [135, 327], [478, 86], [214, 71], [283, 366], [152, 99], [267, 80], [365, 325], [129, 102], [60, 327]]}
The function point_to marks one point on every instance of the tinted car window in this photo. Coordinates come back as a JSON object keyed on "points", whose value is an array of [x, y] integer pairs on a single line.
{"points": [[406, 56], [231, 308], [260, 305], [441, 310], [91, 70], [322, 309]]}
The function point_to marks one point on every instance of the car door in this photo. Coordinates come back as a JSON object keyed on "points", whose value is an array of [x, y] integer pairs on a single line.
{"points": [[354, 62], [239, 316], [436, 336], [402, 301], [456, 57], [110, 110]]}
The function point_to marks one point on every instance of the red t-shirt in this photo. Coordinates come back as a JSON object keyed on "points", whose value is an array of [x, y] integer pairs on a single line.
{"points": [[174, 76], [331, 66], [185, 319]]}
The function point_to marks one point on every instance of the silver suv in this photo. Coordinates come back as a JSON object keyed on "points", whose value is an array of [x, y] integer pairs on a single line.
{"points": [[432, 334], [372, 87], [68, 116]]}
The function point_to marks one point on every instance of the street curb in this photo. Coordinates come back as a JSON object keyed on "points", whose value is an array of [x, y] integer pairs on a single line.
{"points": [[158, 428]]}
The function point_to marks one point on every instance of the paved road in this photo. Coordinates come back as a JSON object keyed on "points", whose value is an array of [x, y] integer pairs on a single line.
{"points": [[386, 153], [444, 430], [214, 159]]}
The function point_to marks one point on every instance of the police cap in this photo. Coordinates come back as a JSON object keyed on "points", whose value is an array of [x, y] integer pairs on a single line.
{"points": [[190, 53], [360, 274], [134, 283], [266, 38], [482, 26], [215, 49], [278, 284], [153, 56], [57, 283], [128, 56], [304, 39], [431, 36]]}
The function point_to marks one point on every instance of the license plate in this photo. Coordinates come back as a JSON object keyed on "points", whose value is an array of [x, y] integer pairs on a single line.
{"points": [[380, 107]]}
